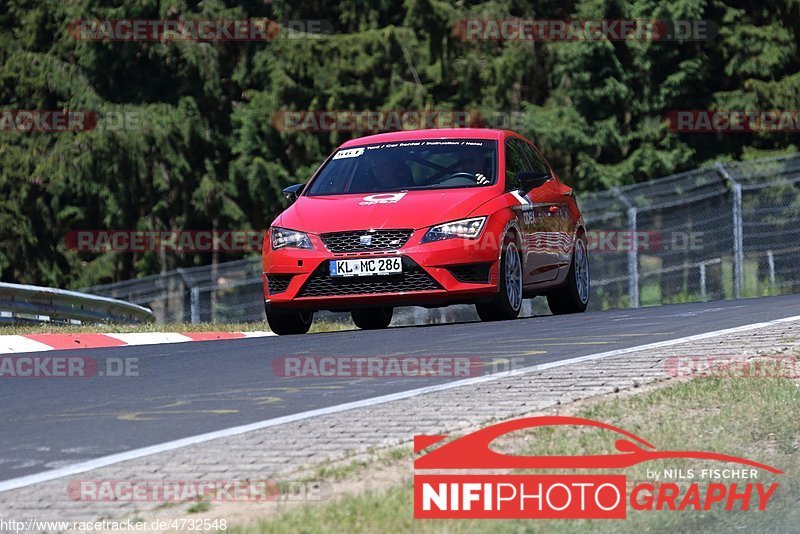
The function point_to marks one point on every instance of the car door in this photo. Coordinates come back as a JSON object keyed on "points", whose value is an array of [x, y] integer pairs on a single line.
{"points": [[550, 234], [537, 260]]}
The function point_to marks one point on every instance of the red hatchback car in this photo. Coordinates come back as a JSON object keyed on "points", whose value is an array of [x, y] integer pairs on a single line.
{"points": [[426, 218]]}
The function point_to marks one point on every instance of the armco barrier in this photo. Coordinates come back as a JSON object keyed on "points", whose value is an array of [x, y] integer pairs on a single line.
{"points": [[45, 304]]}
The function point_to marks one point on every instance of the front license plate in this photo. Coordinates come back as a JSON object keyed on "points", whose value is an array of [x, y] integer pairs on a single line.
{"points": [[366, 267]]}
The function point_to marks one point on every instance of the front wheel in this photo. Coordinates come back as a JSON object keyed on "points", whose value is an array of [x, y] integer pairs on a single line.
{"points": [[373, 318], [289, 322], [508, 302], [573, 296]]}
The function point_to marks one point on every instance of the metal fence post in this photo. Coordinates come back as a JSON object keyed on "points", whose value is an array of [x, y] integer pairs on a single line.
{"points": [[738, 246], [771, 266], [195, 302], [194, 297], [633, 254], [703, 292]]}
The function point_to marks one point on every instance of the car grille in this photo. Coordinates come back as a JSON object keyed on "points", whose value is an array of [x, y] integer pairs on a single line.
{"points": [[378, 240], [474, 273], [277, 283], [414, 278]]}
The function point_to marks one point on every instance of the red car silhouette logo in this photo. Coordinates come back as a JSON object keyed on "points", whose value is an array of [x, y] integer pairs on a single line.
{"points": [[474, 451]]}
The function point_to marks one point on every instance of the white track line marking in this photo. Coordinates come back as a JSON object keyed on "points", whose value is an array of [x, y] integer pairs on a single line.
{"points": [[105, 461], [150, 338], [258, 333]]}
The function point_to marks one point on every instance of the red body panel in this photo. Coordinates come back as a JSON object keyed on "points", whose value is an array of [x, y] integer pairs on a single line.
{"points": [[416, 209]]}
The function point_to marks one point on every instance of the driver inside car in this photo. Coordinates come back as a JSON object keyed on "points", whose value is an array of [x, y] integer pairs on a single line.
{"points": [[472, 162], [389, 173]]}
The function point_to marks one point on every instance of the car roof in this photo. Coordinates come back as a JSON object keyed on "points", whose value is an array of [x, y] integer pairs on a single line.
{"points": [[432, 133]]}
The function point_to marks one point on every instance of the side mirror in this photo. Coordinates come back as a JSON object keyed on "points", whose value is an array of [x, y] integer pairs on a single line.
{"points": [[531, 180], [293, 192]]}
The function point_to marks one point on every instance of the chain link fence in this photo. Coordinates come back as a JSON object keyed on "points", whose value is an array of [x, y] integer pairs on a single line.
{"points": [[719, 232]]}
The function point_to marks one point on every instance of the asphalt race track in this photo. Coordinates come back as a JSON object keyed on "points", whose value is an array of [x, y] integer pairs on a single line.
{"points": [[191, 388]]}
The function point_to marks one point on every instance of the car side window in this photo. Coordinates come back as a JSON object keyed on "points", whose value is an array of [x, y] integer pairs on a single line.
{"points": [[536, 159], [515, 163]]}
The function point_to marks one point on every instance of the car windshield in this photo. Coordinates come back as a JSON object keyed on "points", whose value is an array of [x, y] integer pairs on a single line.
{"points": [[406, 165]]}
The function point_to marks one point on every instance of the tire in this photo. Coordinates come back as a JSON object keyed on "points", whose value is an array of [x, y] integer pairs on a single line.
{"points": [[573, 296], [289, 322], [373, 318], [508, 302]]}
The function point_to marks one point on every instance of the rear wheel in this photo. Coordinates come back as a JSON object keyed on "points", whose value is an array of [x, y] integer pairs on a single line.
{"points": [[508, 302], [573, 296], [373, 318], [289, 322]]}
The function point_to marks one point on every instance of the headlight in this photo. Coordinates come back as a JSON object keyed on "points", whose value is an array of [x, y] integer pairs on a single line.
{"points": [[465, 228], [281, 237]]}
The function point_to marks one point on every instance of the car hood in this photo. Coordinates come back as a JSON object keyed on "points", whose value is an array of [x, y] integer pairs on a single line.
{"points": [[412, 209]]}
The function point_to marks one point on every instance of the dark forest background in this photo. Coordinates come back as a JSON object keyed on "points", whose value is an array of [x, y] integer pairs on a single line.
{"points": [[206, 154]]}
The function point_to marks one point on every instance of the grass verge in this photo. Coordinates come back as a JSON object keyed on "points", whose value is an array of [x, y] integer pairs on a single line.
{"points": [[751, 417]]}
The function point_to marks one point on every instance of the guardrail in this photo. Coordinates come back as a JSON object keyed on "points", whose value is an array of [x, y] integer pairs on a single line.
{"points": [[20, 302]]}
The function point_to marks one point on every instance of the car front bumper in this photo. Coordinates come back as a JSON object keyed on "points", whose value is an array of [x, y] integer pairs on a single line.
{"points": [[434, 274]]}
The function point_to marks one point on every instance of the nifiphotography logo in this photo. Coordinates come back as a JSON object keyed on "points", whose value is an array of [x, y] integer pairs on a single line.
{"points": [[578, 496]]}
